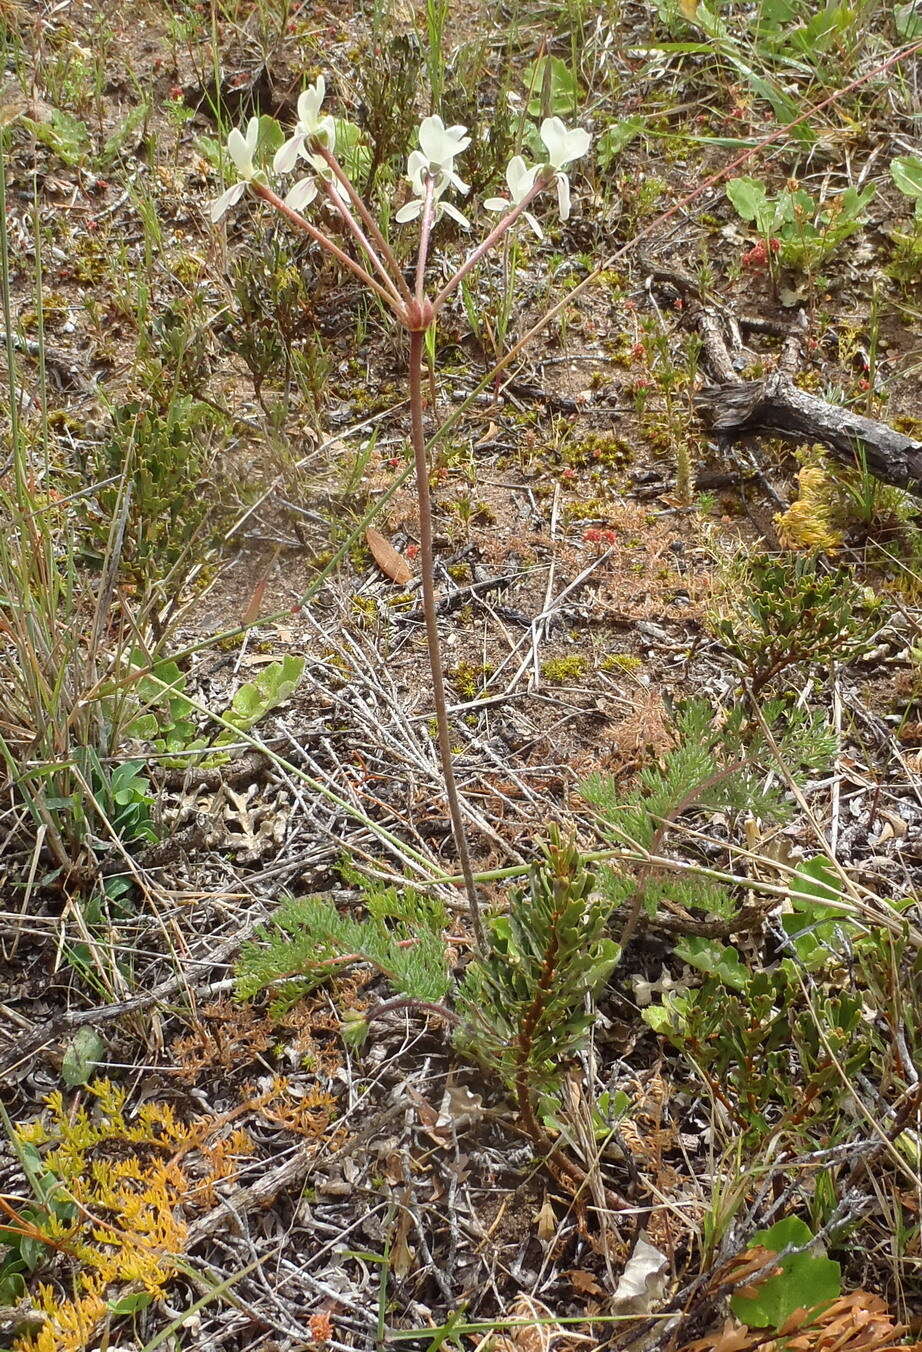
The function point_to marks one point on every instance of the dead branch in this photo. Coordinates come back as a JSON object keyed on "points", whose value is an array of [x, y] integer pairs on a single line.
{"points": [[776, 407], [736, 409]]}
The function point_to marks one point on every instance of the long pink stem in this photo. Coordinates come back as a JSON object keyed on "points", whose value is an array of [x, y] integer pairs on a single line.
{"points": [[427, 575], [491, 240], [371, 224], [298, 221], [352, 225], [425, 231]]}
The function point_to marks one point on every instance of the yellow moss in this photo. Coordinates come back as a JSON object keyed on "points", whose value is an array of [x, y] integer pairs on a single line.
{"points": [[117, 1191], [560, 670], [32, 1133], [69, 1324], [621, 662], [809, 522]]}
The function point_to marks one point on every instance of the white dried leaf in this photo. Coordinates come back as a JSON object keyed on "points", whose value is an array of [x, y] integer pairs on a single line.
{"points": [[643, 1281]]}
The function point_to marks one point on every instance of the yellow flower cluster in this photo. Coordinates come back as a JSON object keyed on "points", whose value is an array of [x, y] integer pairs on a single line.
{"points": [[809, 523]]}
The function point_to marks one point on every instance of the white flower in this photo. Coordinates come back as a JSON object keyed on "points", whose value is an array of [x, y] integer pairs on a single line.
{"points": [[564, 145], [520, 180], [420, 169], [241, 149], [310, 127], [301, 193], [440, 144]]}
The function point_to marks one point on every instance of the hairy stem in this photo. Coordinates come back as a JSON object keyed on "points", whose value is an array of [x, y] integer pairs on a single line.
{"points": [[371, 224], [432, 629], [358, 233], [297, 220]]}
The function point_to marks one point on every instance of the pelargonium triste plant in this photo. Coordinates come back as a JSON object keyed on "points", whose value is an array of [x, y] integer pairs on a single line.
{"points": [[432, 175]]}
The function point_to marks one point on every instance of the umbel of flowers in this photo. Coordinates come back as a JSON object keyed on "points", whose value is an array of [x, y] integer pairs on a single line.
{"points": [[310, 152]]}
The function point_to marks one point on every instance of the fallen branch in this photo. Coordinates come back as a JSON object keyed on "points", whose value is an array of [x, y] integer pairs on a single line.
{"points": [[776, 407], [735, 409]]}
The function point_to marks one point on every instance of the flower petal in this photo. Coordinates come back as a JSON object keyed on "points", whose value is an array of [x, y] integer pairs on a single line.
{"points": [[563, 196], [228, 198], [534, 224], [409, 211], [252, 134], [459, 138], [240, 151], [440, 144], [432, 139], [325, 173], [455, 214], [580, 141], [286, 157], [496, 203], [301, 193], [309, 102], [524, 183], [563, 146], [554, 135], [310, 124], [515, 172]]}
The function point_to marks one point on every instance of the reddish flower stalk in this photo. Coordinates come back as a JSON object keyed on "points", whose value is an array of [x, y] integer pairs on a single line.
{"points": [[416, 313]]}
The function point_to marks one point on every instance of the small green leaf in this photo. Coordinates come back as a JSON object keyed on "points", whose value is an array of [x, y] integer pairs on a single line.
{"points": [[32, 1251], [118, 140], [144, 727], [615, 137], [65, 134], [551, 74], [906, 170], [270, 138], [804, 1281], [352, 150], [668, 1019], [714, 959], [273, 686], [84, 1053], [12, 1286], [816, 878], [750, 199], [130, 1303], [354, 1029], [210, 149], [908, 21]]}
